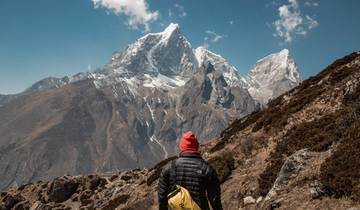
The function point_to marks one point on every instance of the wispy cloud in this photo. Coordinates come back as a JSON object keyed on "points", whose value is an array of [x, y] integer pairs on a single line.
{"points": [[311, 23], [179, 11], [292, 23], [311, 4], [212, 37], [137, 11]]}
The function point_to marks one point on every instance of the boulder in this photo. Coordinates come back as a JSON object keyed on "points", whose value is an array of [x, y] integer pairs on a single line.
{"points": [[318, 190], [94, 181], [291, 167], [23, 205], [85, 197], [11, 200], [249, 200], [61, 189]]}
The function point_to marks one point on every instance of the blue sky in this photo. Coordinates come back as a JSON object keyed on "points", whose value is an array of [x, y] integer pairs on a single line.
{"points": [[42, 38]]}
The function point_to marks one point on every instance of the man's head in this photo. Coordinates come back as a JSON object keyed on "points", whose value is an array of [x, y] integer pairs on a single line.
{"points": [[188, 143]]}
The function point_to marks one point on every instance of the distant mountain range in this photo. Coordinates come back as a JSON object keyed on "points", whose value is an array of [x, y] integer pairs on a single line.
{"points": [[131, 112], [300, 151]]}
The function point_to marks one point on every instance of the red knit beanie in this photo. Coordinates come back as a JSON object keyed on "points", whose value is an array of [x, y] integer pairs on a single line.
{"points": [[189, 143]]}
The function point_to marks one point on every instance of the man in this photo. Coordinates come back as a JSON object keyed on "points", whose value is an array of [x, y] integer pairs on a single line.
{"points": [[191, 172]]}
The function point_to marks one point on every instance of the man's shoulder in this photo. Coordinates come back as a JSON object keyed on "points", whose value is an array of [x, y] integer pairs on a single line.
{"points": [[168, 165], [165, 167], [193, 160]]}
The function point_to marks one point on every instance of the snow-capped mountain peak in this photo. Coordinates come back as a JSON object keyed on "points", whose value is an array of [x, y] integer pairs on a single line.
{"points": [[167, 60], [172, 29], [200, 54], [167, 53], [276, 65], [272, 75], [284, 52]]}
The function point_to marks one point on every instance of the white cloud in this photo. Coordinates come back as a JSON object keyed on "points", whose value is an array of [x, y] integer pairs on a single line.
{"points": [[312, 23], [231, 22], [292, 22], [178, 11], [181, 10], [137, 11], [311, 4], [212, 36]]}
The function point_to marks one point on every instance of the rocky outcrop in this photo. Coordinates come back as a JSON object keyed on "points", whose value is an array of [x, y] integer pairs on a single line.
{"points": [[61, 189], [289, 170]]}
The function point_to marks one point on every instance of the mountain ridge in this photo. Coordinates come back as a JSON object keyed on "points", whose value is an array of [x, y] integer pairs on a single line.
{"points": [[138, 55], [128, 114], [299, 152]]}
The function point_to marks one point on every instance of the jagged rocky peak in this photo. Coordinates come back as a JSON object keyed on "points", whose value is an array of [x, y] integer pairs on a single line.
{"points": [[167, 53], [272, 75], [231, 75], [166, 60], [281, 62]]}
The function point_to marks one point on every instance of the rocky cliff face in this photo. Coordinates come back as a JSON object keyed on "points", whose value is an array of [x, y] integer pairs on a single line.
{"points": [[128, 114], [299, 152]]}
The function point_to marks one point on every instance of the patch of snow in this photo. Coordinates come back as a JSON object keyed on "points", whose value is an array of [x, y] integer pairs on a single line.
{"points": [[162, 81], [179, 116], [200, 55], [151, 111], [155, 140], [97, 84], [150, 59], [132, 85], [169, 30]]}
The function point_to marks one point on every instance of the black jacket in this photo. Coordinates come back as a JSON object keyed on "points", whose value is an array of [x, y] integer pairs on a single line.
{"points": [[196, 175]]}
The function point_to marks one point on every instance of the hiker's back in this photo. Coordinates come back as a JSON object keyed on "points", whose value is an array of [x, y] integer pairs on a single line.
{"points": [[190, 172], [192, 175]]}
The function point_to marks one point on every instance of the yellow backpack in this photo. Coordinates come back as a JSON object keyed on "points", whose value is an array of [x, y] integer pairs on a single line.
{"points": [[180, 199]]}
